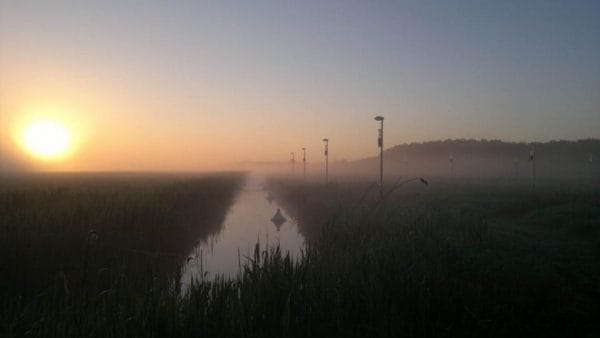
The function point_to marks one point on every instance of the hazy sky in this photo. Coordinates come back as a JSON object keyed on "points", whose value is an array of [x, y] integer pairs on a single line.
{"points": [[190, 84]]}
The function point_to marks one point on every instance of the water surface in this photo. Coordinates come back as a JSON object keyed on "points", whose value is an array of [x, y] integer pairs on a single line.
{"points": [[249, 220]]}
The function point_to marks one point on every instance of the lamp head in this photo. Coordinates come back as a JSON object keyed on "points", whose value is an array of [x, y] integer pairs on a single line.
{"points": [[325, 140], [378, 118]]}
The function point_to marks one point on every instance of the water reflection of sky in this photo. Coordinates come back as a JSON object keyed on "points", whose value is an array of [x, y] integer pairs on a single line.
{"points": [[250, 220]]}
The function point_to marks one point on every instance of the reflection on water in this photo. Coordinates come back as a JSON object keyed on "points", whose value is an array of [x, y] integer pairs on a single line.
{"points": [[278, 219], [254, 217]]}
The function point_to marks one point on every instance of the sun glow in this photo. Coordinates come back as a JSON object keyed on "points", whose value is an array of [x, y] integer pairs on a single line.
{"points": [[47, 139]]}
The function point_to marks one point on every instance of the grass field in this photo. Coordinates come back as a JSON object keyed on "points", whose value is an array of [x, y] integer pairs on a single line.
{"points": [[71, 239], [447, 259], [454, 258]]}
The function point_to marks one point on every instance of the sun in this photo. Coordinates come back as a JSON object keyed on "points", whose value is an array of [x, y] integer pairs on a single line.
{"points": [[46, 139]]}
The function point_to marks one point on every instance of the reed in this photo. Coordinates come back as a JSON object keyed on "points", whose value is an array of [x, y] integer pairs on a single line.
{"points": [[440, 263]]}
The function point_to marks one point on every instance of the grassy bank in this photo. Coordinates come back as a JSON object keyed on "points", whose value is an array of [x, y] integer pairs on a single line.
{"points": [[454, 259], [427, 262], [70, 237]]}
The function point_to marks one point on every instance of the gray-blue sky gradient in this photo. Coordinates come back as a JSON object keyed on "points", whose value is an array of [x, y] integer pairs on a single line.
{"points": [[514, 70]]}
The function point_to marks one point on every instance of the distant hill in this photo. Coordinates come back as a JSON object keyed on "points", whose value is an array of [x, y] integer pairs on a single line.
{"points": [[483, 158]]}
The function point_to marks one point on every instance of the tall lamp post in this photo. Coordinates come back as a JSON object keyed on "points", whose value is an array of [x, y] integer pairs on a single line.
{"points": [[293, 164], [304, 163], [380, 144], [326, 140], [451, 160]]}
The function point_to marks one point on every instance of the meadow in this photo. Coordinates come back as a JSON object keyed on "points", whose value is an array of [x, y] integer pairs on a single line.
{"points": [[455, 257], [70, 239], [100, 258]]}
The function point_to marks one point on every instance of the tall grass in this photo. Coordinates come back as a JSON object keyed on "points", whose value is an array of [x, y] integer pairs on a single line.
{"points": [[78, 235], [431, 263], [372, 268]]}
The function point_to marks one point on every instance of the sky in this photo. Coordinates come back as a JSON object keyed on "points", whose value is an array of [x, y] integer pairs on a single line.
{"points": [[191, 85]]}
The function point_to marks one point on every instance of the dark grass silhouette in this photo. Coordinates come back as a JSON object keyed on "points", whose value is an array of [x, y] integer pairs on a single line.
{"points": [[475, 261], [454, 259], [74, 228]]}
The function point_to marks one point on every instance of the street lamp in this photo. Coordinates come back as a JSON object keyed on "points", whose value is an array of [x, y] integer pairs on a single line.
{"points": [[451, 160], [380, 144], [304, 163], [293, 164], [326, 140]]}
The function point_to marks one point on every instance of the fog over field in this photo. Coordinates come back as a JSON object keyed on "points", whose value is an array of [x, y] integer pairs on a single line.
{"points": [[461, 158], [315, 168], [199, 86]]}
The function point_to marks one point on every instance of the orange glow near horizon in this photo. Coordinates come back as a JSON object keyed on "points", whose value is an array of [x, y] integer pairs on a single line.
{"points": [[157, 86]]}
